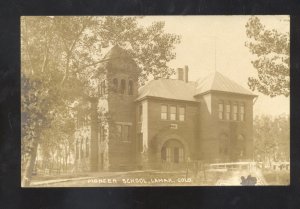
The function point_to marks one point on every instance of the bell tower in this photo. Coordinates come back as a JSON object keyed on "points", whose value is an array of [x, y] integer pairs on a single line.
{"points": [[121, 83]]}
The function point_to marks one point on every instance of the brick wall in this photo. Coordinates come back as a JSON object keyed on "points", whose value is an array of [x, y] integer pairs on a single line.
{"points": [[122, 154], [212, 127], [159, 129]]}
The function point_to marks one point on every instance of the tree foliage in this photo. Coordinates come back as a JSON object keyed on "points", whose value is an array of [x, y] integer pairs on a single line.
{"points": [[272, 50], [271, 138], [150, 47], [60, 55]]}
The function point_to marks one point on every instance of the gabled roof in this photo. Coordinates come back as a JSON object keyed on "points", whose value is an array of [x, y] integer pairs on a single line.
{"points": [[180, 90], [218, 82], [168, 89]]}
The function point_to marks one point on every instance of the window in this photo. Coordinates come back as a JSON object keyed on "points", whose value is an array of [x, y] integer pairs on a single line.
{"points": [[130, 88], [101, 88], [181, 155], [176, 155], [119, 132], [123, 132], [168, 154], [140, 113], [164, 112], [126, 133], [123, 86], [173, 113], [228, 112], [163, 154], [235, 112], [115, 85], [242, 112], [221, 111], [181, 113]]}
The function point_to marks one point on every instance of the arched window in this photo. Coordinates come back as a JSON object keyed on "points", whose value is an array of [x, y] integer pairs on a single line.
{"points": [[102, 88], [115, 85], [130, 88], [123, 86]]}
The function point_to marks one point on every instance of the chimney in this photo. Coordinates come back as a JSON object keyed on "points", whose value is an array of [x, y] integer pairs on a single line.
{"points": [[186, 73], [183, 74], [180, 74]]}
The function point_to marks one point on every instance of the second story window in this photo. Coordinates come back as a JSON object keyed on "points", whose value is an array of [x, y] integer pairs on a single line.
{"points": [[181, 113], [227, 115], [235, 112], [123, 86], [173, 113], [242, 112], [221, 111], [119, 132], [164, 112], [130, 87]]}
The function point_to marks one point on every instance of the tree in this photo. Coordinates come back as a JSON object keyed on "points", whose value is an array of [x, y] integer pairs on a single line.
{"points": [[150, 47], [272, 50], [271, 138], [60, 55]]}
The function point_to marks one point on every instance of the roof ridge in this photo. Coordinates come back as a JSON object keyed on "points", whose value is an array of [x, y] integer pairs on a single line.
{"points": [[234, 82], [217, 81]]}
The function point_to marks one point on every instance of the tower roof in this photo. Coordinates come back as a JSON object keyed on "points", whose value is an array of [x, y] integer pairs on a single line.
{"points": [[116, 52], [218, 82]]}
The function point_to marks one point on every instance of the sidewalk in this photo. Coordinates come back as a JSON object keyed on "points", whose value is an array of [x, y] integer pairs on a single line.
{"points": [[35, 183]]}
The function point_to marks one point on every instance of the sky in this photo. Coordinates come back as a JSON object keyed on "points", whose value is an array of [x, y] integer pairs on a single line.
{"points": [[210, 43]]}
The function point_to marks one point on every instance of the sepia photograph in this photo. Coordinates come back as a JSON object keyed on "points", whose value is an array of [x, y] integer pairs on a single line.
{"points": [[147, 101]]}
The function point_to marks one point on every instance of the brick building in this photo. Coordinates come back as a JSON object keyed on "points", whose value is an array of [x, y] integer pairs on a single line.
{"points": [[164, 123]]}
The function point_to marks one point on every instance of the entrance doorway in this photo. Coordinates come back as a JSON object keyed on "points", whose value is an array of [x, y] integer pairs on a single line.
{"points": [[172, 152]]}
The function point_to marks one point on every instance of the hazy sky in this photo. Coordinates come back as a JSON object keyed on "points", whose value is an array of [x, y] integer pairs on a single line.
{"points": [[218, 42]]}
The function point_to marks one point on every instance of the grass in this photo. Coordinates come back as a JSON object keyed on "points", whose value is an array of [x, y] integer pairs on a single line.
{"points": [[276, 177]]}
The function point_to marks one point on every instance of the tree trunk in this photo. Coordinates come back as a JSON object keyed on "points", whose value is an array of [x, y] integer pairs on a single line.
{"points": [[30, 163]]}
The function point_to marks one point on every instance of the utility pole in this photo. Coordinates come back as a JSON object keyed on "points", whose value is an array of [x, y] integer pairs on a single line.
{"points": [[215, 45]]}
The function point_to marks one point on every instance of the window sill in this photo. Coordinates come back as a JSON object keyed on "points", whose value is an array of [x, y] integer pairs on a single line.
{"points": [[177, 121], [223, 120]]}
